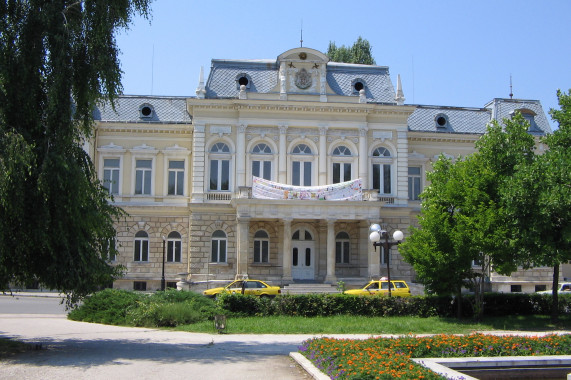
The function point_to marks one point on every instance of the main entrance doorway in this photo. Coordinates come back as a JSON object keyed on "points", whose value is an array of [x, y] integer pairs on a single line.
{"points": [[303, 248]]}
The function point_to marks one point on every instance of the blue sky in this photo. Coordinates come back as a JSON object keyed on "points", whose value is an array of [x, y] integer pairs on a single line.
{"points": [[451, 53]]}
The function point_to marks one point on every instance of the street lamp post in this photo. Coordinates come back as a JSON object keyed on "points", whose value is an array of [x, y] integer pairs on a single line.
{"points": [[163, 277], [375, 237]]}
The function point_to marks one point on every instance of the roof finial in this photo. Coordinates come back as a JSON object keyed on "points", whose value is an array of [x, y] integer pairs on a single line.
{"points": [[201, 89], [511, 90], [400, 94], [301, 40]]}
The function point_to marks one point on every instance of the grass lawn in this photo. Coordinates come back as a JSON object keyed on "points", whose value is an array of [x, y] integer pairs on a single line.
{"points": [[379, 325]]}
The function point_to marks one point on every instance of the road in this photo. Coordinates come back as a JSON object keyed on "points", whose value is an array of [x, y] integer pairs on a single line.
{"points": [[81, 350]]}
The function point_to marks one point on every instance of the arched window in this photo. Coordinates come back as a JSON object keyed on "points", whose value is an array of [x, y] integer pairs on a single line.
{"points": [[342, 252], [219, 243], [262, 161], [141, 246], [220, 167], [174, 247], [341, 164], [382, 168], [301, 165], [261, 247]]}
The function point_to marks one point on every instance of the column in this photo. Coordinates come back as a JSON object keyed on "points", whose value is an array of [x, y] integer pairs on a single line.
{"points": [[287, 250], [198, 164], [330, 277], [282, 158], [242, 246], [374, 257], [240, 156], [402, 168], [322, 180], [363, 156]]}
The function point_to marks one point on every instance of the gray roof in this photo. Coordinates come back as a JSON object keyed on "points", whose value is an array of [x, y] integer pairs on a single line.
{"points": [[504, 108], [263, 78], [377, 81], [459, 120], [475, 120], [128, 109], [222, 80]]}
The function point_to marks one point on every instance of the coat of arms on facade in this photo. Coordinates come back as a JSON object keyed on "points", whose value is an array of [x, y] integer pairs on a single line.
{"points": [[302, 79]]}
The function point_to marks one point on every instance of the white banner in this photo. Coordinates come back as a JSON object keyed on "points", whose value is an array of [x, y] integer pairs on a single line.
{"points": [[344, 191]]}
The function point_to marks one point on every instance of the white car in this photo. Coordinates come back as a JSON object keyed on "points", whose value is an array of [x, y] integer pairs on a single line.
{"points": [[563, 288]]}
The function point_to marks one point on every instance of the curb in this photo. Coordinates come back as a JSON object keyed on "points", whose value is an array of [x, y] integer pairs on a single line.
{"points": [[308, 366]]}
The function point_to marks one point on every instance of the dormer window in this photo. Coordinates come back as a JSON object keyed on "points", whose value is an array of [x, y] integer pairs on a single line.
{"points": [[243, 79], [146, 111], [441, 121], [358, 85], [529, 116]]}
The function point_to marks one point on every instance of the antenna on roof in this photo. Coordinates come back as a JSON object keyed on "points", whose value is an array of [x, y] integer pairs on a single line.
{"points": [[511, 90], [301, 40]]}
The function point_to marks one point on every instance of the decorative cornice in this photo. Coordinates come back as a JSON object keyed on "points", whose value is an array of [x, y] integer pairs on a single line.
{"points": [[337, 108], [146, 128]]}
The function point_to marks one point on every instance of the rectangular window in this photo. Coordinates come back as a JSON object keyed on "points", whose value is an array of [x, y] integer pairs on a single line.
{"points": [[296, 173], [387, 179], [301, 173], [143, 176], [516, 288], [341, 172], [171, 284], [382, 180], [111, 175], [220, 175], [540, 288], [174, 251], [306, 174], [342, 252], [262, 169], [141, 250], [218, 251], [176, 178], [414, 183], [139, 285], [261, 251]]}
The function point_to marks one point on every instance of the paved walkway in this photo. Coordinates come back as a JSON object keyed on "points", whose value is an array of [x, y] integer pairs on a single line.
{"points": [[81, 350]]}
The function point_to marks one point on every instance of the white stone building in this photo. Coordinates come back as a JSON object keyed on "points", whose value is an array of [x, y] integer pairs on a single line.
{"points": [[184, 168]]}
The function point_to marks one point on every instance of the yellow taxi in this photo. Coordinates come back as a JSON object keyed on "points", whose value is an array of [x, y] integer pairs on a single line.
{"points": [[249, 287], [399, 288]]}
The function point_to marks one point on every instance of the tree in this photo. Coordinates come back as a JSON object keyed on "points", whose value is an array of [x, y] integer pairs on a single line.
{"points": [[538, 201], [455, 221], [360, 52], [463, 212], [58, 59]]}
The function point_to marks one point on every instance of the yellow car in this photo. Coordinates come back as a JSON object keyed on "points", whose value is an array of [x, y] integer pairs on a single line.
{"points": [[399, 288], [249, 287]]}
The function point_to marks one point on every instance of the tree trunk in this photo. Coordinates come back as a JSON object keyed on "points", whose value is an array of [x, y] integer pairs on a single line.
{"points": [[555, 294], [459, 305]]}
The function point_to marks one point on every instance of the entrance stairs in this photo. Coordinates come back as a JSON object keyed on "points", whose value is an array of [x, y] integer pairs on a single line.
{"points": [[305, 288]]}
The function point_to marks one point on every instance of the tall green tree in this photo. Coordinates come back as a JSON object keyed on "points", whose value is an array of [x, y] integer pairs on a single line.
{"points": [[58, 58], [538, 201], [463, 211], [360, 52]]}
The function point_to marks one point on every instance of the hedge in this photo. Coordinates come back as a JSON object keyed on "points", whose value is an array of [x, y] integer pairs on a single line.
{"points": [[313, 305]]}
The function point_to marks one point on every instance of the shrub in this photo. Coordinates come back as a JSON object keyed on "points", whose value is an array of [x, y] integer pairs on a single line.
{"points": [[171, 308], [108, 306]]}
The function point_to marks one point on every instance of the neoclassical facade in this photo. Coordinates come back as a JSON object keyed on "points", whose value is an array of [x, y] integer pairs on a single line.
{"points": [[184, 169]]}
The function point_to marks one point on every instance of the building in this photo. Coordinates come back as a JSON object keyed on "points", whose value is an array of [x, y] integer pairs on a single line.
{"points": [[191, 172]]}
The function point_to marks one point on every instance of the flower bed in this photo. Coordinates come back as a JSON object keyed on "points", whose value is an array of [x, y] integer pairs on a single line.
{"points": [[390, 358]]}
